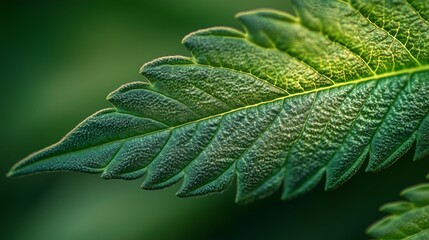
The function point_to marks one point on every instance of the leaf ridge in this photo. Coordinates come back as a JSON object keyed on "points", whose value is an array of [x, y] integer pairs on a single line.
{"points": [[112, 158], [195, 192], [211, 95], [140, 116], [169, 97], [341, 145], [219, 126], [288, 156], [371, 153], [170, 133], [245, 73]]}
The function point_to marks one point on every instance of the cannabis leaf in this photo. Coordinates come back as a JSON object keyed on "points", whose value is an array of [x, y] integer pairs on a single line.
{"points": [[288, 101], [409, 219]]}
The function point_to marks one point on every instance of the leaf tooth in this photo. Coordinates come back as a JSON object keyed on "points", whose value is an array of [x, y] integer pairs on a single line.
{"points": [[149, 185], [265, 13], [125, 88], [184, 146], [304, 10], [265, 189], [170, 60], [307, 185], [337, 175], [377, 165], [213, 31], [146, 101], [378, 229], [218, 185], [135, 155], [418, 195], [251, 23], [397, 208]]}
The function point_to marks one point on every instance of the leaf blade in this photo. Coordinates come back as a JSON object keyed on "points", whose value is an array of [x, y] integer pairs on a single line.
{"points": [[281, 118]]}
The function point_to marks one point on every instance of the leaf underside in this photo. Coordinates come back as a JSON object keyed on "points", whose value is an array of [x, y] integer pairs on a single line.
{"points": [[285, 103], [408, 219]]}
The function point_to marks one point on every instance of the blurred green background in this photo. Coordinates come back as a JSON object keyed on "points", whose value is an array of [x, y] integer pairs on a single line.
{"points": [[59, 59]]}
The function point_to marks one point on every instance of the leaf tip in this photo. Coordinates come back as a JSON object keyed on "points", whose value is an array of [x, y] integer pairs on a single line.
{"points": [[290, 194], [126, 87], [18, 170], [15, 170], [420, 154], [106, 175], [23, 168], [111, 95], [245, 199], [182, 193], [10, 174], [332, 185]]}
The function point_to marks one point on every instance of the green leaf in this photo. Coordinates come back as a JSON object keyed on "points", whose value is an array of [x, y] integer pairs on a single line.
{"points": [[408, 219], [290, 100]]}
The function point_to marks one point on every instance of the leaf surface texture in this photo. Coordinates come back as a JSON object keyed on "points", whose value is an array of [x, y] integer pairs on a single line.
{"points": [[287, 102]]}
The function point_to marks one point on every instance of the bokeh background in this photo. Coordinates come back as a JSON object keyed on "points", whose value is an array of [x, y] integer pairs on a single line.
{"points": [[59, 59]]}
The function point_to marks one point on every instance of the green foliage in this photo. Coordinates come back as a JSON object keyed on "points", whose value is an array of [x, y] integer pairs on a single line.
{"points": [[291, 100], [409, 219]]}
